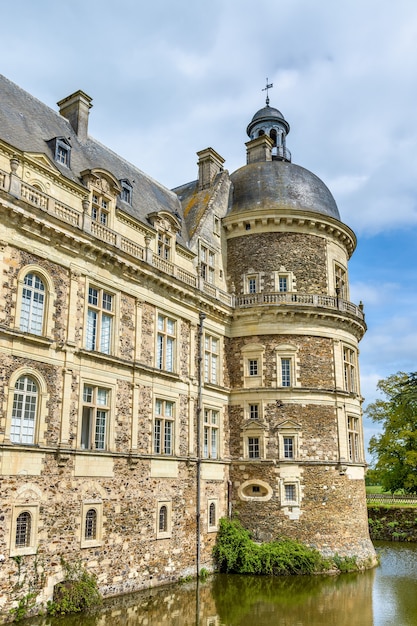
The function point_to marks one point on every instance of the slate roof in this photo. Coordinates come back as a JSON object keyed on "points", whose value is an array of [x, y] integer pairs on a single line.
{"points": [[279, 184], [28, 124]]}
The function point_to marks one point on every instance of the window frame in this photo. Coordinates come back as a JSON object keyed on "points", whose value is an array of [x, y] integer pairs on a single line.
{"points": [[354, 440], [350, 369], [101, 208], [42, 411], [166, 360], [62, 147], [94, 338], [212, 525], [212, 359], [91, 542], [166, 533], [294, 485], [291, 431], [126, 193], [48, 304], [251, 353], [287, 366], [341, 283], [31, 547], [89, 427], [164, 418], [207, 261], [211, 428]]}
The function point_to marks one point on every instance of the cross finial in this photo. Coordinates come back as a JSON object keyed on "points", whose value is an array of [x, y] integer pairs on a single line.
{"points": [[268, 86]]}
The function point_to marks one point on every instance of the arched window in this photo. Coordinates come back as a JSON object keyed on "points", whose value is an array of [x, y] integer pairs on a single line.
{"points": [[90, 529], [23, 530], [25, 405], [32, 305], [163, 519], [212, 514]]}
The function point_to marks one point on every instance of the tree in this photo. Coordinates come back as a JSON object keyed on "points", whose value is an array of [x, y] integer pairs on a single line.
{"points": [[395, 449]]}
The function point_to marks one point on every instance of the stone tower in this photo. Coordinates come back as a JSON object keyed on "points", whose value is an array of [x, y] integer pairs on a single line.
{"points": [[295, 403]]}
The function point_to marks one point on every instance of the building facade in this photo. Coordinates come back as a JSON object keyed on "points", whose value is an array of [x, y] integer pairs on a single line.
{"points": [[169, 357]]}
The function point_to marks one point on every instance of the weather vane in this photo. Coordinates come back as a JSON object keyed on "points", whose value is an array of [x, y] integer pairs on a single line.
{"points": [[268, 86]]}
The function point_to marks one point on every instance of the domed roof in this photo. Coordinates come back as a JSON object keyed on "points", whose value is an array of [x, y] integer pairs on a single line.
{"points": [[268, 114], [280, 185]]}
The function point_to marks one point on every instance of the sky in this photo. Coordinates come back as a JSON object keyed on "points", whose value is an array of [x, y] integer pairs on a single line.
{"points": [[171, 77]]}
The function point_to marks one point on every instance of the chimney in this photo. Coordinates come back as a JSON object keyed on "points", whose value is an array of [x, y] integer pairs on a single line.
{"points": [[259, 149], [76, 109], [210, 163]]}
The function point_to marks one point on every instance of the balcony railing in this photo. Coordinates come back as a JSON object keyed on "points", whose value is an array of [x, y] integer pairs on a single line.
{"points": [[305, 299], [37, 198]]}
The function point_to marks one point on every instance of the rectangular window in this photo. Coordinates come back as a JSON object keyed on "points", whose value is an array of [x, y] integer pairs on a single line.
{"points": [[253, 448], [211, 359], [165, 343], [253, 369], [288, 447], [95, 417], [211, 434], [164, 246], [207, 264], [283, 283], [286, 372], [340, 282], [252, 284], [290, 493], [349, 367], [100, 313], [353, 439], [254, 411], [163, 439], [100, 209]]}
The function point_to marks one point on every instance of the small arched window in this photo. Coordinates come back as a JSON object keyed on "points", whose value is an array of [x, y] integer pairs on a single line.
{"points": [[25, 407], [23, 530], [90, 529], [163, 519], [212, 514], [32, 305]]}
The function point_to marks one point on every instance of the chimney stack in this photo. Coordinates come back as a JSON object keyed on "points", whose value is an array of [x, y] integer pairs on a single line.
{"points": [[259, 149], [210, 163], [75, 108]]}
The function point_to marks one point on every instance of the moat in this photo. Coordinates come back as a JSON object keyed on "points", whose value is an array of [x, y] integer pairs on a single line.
{"points": [[383, 596]]}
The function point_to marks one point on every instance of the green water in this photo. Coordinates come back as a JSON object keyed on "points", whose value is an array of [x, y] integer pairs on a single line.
{"points": [[385, 596]]}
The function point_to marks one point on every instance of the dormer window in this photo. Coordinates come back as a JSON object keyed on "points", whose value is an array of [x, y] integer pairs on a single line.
{"points": [[127, 191], [62, 151], [100, 209]]}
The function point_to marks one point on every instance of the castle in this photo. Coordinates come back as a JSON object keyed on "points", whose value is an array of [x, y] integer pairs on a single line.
{"points": [[169, 357]]}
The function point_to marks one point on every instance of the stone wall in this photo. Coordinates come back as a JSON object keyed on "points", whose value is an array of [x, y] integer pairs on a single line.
{"points": [[303, 255]]}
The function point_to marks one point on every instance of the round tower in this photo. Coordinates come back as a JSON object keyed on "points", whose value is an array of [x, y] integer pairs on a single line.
{"points": [[296, 437]]}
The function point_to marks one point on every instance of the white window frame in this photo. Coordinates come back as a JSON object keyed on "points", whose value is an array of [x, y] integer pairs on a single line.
{"points": [[354, 441], [91, 424], [211, 433], [212, 353], [286, 356], [251, 353], [166, 418], [166, 342], [350, 369], [341, 284], [42, 411], [100, 319], [288, 430], [48, 308], [101, 205], [281, 275], [207, 263], [164, 245]]}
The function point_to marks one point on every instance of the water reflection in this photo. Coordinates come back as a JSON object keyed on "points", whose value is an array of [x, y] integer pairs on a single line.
{"points": [[380, 597]]}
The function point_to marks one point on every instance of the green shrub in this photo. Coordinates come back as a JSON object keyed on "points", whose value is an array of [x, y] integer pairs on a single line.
{"points": [[77, 592], [235, 552]]}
